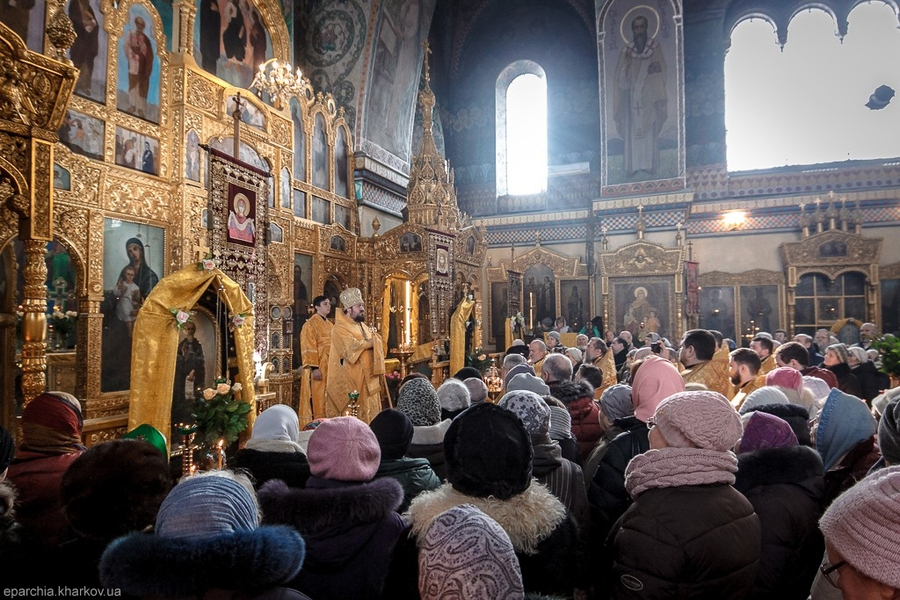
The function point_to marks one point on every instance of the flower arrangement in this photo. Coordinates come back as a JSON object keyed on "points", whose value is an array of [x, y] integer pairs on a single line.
{"points": [[220, 413], [517, 321], [207, 264], [63, 322], [181, 317], [237, 321], [393, 377], [478, 360]]}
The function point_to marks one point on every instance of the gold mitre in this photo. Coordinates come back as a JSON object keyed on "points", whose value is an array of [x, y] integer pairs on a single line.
{"points": [[351, 297]]}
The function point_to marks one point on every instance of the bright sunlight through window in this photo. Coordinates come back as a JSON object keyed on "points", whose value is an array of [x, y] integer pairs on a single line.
{"points": [[806, 104], [526, 135]]}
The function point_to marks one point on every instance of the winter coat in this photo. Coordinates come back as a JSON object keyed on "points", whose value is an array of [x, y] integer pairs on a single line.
{"points": [[37, 477], [544, 536], [606, 494], [414, 475], [871, 381], [786, 487], [847, 381], [562, 477], [240, 565], [290, 467], [350, 530], [428, 443], [586, 425], [693, 541]]}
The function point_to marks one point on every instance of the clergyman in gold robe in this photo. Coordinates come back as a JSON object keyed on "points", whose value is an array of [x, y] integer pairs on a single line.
{"points": [[315, 346], [356, 362]]}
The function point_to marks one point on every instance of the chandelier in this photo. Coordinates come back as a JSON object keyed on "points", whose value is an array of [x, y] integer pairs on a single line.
{"points": [[277, 80]]}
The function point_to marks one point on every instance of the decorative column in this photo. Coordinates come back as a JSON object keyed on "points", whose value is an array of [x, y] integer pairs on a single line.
{"points": [[34, 323]]}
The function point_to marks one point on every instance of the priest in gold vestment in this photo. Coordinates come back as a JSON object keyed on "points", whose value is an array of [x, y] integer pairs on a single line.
{"points": [[315, 346], [356, 362]]}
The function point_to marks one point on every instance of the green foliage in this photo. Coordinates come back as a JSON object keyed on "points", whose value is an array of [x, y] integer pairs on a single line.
{"points": [[479, 360], [889, 348], [220, 414]]}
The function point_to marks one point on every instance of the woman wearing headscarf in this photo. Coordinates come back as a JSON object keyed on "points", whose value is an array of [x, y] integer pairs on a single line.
{"points": [[145, 277], [836, 357], [871, 381], [273, 450], [51, 441], [689, 533], [784, 482]]}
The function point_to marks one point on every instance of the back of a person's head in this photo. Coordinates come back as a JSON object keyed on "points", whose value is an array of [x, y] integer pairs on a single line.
{"points": [[746, 356], [571, 391], [557, 368], [52, 423], [653, 381], [511, 360], [394, 432], [478, 390], [592, 374], [278, 422], [466, 554], [530, 408], [616, 401], [208, 504], [862, 526], [114, 488], [419, 401], [702, 341], [702, 419], [453, 396], [467, 372], [343, 449], [488, 453]]}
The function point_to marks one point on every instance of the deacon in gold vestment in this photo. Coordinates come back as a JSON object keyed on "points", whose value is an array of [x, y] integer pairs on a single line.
{"points": [[315, 346], [356, 362]]}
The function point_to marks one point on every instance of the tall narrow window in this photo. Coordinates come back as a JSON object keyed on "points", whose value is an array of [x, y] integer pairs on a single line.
{"points": [[806, 103], [521, 129]]}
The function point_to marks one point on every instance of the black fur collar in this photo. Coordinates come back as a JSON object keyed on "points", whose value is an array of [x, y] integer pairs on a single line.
{"points": [[313, 509], [147, 565], [794, 464]]}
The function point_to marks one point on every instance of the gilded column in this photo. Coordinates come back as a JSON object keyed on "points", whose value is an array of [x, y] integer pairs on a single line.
{"points": [[34, 323]]}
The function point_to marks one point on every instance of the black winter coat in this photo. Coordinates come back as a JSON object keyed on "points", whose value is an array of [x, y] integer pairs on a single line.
{"points": [[786, 488], [871, 381], [697, 541]]}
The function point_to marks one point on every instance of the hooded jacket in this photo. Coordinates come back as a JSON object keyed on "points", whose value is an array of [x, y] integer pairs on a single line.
{"points": [[350, 530], [786, 488]]}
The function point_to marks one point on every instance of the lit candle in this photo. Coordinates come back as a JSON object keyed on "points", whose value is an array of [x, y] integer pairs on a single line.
{"points": [[221, 453]]}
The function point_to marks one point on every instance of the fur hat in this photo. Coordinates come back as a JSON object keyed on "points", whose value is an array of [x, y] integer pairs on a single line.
{"points": [[763, 430], [703, 420], [466, 554], [575, 354], [529, 407], [863, 526], [764, 395], [343, 449], [889, 433], [419, 401], [785, 377], [115, 488], [351, 297], [394, 432], [7, 449], [616, 401], [656, 379], [207, 505], [478, 390], [488, 453], [524, 381], [453, 395], [840, 350]]}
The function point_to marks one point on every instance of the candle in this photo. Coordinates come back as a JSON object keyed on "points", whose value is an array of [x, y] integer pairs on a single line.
{"points": [[221, 453]]}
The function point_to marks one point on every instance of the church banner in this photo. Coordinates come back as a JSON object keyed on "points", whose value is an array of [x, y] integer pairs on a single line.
{"points": [[239, 223]]}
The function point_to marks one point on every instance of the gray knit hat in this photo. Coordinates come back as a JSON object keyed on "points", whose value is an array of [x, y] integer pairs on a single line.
{"points": [[453, 395], [524, 381], [418, 400], [530, 408], [478, 390], [616, 401]]}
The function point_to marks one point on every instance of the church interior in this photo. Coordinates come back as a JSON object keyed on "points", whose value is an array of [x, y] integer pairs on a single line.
{"points": [[246, 156]]}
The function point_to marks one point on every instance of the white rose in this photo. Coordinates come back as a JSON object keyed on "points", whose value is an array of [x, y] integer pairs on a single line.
{"points": [[237, 387], [223, 388], [209, 393]]}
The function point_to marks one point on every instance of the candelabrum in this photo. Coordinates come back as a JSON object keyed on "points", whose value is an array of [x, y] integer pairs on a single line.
{"points": [[353, 406], [278, 81]]}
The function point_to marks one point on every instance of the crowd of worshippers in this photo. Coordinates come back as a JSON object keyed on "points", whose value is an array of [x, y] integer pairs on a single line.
{"points": [[710, 472]]}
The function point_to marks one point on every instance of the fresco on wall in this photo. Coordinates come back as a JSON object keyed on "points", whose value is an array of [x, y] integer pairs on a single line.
{"points": [[137, 89], [82, 134], [88, 51], [26, 18], [231, 40], [640, 85], [395, 74]]}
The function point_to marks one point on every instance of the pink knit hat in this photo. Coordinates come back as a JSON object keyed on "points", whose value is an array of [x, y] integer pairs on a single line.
{"points": [[701, 419], [785, 377], [655, 380], [343, 449], [863, 525]]}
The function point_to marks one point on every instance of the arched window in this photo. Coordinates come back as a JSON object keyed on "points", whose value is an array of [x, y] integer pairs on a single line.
{"points": [[806, 103], [521, 100]]}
